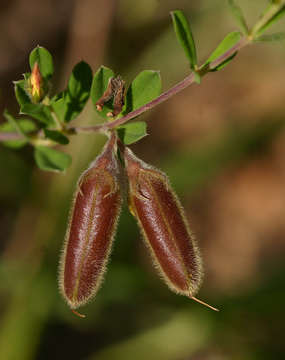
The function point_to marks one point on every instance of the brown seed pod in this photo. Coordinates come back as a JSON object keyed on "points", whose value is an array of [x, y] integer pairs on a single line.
{"points": [[91, 228], [164, 227]]}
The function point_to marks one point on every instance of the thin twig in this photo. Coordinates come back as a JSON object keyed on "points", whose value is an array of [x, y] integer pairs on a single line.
{"points": [[161, 98], [8, 136], [189, 80]]}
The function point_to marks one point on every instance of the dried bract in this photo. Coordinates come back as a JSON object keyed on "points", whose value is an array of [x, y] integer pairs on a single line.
{"points": [[116, 90], [119, 97]]}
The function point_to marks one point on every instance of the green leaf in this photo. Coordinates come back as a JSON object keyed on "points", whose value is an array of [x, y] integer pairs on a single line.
{"points": [[80, 81], [40, 112], [238, 15], [44, 60], [99, 85], [21, 93], [225, 63], [56, 136], [13, 122], [13, 144], [272, 20], [26, 76], [271, 37], [132, 132], [51, 160], [68, 104], [229, 41], [184, 36], [22, 126], [60, 106], [145, 87]]}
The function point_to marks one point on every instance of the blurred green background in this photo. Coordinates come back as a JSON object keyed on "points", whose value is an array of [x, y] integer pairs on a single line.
{"points": [[221, 143]]}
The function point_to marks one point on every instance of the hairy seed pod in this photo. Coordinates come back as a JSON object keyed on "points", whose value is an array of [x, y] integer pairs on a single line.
{"points": [[91, 228], [164, 227]]}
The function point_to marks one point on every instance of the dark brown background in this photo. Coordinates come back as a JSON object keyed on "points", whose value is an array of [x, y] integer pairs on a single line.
{"points": [[222, 145]]}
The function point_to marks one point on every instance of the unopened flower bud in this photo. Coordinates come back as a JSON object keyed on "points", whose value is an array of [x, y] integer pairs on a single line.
{"points": [[36, 84]]}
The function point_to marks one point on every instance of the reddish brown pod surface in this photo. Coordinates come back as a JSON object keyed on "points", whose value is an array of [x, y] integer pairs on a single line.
{"points": [[164, 226], [91, 228]]}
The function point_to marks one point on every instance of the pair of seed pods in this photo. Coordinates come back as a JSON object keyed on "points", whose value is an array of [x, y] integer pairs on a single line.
{"points": [[94, 217]]}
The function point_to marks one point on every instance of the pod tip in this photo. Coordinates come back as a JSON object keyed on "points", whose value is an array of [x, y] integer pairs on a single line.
{"points": [[203, 303], [82, 316]]}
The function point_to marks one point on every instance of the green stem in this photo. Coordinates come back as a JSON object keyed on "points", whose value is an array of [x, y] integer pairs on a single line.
{"points": [[59, 125], [269, 13]]}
